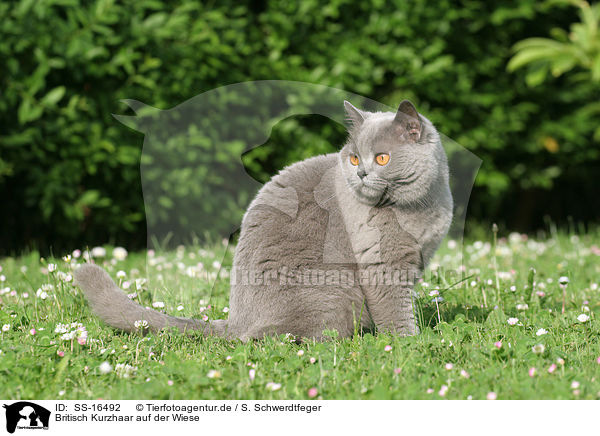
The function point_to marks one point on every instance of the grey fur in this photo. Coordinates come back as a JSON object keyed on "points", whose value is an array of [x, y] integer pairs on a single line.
{"points": [[111, 304], [319, 215]]}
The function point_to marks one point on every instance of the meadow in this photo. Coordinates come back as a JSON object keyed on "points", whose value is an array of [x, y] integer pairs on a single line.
{"points": [[491, 329]]}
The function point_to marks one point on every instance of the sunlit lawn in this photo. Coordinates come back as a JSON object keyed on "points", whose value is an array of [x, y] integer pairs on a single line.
{"points": [[510, 342]]}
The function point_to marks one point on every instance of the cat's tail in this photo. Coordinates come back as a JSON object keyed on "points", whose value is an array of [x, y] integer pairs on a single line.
{"points": [[111, 304]]}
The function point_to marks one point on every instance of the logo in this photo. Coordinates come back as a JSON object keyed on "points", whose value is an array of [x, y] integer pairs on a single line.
{"points": [[26, 415]]}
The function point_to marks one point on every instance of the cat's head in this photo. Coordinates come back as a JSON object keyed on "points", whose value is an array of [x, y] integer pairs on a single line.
{"points": [[392, 158]]}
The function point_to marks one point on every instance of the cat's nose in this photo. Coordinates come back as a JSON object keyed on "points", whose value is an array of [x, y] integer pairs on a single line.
{"points": [[361, 173]]}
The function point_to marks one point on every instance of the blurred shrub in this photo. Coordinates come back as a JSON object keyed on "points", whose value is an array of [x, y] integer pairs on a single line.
{"points": [[578, 48], [69, 172]]}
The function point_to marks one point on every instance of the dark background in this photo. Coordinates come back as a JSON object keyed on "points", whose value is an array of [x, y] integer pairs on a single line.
{"points": [[69, 172]]}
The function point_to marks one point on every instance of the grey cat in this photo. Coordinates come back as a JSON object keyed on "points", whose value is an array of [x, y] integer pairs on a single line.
{"points": [[332, 242]]}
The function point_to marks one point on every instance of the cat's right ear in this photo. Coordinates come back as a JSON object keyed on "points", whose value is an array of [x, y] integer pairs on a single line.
{"points": [[354, 115]]}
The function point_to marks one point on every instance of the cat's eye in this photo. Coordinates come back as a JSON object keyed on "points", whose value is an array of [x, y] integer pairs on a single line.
{"points": [[382, 159], [354, 159]]}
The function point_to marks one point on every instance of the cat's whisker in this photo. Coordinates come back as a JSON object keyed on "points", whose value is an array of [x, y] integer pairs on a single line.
{"points": [[405, 180], [330, 198]]}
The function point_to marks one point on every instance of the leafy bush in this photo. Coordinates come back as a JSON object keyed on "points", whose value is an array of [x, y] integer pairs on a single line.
{"points": [[578, 48], [71, 173]]}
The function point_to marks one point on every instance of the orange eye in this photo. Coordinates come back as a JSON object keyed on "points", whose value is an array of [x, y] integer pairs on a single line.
{"points": [[382, 159], [354, 159]]}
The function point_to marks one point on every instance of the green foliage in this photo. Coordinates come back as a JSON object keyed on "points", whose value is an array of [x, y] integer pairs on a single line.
{"points": [[580, 47], [71, 171]]}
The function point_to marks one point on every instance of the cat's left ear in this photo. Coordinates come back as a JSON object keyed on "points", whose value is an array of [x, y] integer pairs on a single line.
{"points": [[407, 113]]}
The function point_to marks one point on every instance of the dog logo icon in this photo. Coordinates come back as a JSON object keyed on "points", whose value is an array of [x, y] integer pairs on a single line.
{"points": [[26, 415]]}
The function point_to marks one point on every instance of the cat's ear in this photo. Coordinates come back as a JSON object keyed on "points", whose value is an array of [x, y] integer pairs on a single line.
{"points": [[407, 115], [355, 115]]}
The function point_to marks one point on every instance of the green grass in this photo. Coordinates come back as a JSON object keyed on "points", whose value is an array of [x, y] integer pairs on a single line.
{"points": [[472, 318]]}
